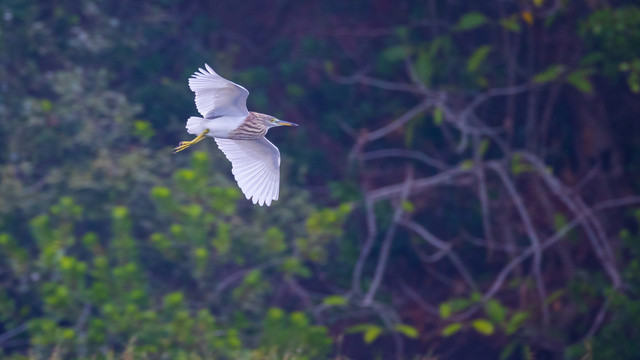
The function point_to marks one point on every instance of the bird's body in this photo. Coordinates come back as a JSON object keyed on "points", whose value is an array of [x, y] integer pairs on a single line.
{"points": [[238, 132]]}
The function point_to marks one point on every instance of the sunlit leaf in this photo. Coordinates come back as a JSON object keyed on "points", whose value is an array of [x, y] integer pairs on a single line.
{"points": [[451, 329], [483, 326], [407, 206], [334, 300], [372, 334], [407, 330], [370, 331], [445, 310]]}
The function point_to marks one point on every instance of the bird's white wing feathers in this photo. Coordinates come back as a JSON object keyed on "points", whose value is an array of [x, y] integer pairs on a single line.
{"points": [[255, 164], [217, 96]]}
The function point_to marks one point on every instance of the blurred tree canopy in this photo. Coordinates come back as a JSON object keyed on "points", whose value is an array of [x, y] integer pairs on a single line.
{"points": [[464, 184]]}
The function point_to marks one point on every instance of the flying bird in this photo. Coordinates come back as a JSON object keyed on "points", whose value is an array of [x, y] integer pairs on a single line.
{"points": [[239, 133]]}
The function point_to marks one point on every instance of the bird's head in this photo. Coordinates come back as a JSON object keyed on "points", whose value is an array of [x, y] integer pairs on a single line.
{"points": [[269, 121], [273, 122]]}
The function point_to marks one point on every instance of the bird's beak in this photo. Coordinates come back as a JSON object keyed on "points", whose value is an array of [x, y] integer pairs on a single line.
{"points": [[286, 123]]}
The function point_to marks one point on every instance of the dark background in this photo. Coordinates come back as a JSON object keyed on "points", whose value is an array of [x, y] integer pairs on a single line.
{"points": [[463, 184]]}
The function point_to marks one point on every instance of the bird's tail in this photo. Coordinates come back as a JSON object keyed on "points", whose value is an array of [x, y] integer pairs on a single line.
{"points": [[196, 125]]}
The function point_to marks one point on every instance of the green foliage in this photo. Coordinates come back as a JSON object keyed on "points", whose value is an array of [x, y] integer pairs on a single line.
{"points": [[111, 247], [370, 332], [477, 58], [470, 21], [619, 337], [293, 333], [549, 74]]}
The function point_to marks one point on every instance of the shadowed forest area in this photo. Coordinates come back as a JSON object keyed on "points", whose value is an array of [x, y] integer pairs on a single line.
{"points": [[464, 183]]}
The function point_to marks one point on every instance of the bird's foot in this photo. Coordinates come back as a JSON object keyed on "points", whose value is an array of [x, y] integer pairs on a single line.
{"points": [[185, 144]]}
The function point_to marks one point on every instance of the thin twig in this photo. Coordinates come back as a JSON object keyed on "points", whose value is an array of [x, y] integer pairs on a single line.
{"points": [[421, 184], [411, 154], [444, 246], [578, 207], [372, 232], [552, 240], [388, 240]]}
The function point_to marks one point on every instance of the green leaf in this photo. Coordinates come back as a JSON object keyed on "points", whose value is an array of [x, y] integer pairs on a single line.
{"points": [[508, 350], [634, 82], [437, 116], [466, 164], [334, 300], [483, 326], [453, 305], [550, 74], [358, 328], [407, 330], [371, 334], [477, 58], [424, 68], [459, 304], [395, 53], [495, 311], [516, 322], [484, 146], [554, 296], [559, 220], [510, 24], [445, 310], [579, 79], [451, 329], [46, 105], [470, 20], [407, 206]]}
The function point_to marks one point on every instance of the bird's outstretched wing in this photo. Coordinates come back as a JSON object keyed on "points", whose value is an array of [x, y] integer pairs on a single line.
{"points": [[255, 165], [217, 96]]}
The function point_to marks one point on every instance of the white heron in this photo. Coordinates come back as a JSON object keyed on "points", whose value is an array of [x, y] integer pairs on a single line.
{"points": [[239, 133]]}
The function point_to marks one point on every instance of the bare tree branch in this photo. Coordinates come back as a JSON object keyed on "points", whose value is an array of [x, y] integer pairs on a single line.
{"points": [[533, 236], [399, 122]]}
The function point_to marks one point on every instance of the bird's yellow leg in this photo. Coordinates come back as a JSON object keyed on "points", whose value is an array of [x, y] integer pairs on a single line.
{"points": [[185, 144]]}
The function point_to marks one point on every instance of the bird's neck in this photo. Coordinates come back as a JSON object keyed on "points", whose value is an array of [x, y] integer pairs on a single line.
{"points": [[253, 127]]}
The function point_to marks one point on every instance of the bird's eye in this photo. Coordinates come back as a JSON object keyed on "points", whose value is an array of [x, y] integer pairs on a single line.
{"points": [[273, 120]]}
